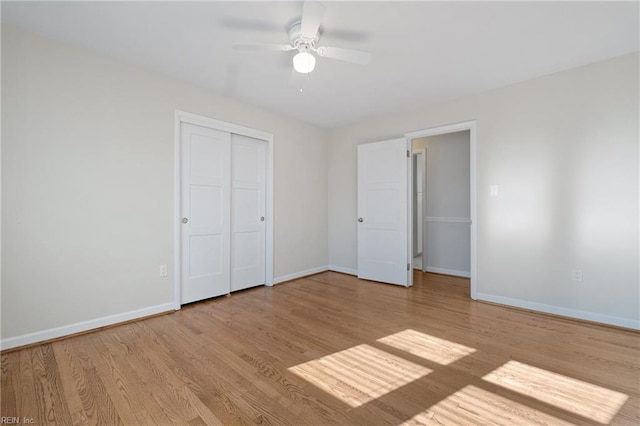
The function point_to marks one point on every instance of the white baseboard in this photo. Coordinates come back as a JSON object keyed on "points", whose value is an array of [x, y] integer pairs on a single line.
{"points": [[343, 270], [312, 271], [454, 272], [79, 327], [565, 312], [300, 274]]}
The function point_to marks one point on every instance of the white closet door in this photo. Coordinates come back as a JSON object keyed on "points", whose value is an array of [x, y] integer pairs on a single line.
{"points": [[248, 192], [205, 212]]}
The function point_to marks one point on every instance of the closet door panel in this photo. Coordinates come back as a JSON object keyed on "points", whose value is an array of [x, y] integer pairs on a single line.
{"points": [[248, 191], [205, 210]]}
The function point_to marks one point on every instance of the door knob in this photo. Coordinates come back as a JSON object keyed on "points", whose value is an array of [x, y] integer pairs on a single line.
{"points": [[360, 219], [262, 219], [185, 220]]}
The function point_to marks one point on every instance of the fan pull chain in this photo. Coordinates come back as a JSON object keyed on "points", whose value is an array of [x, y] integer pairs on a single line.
{"points": [[302, 82]]}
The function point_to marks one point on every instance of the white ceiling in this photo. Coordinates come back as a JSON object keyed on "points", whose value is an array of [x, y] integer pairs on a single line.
{"points": [[423, 52]]}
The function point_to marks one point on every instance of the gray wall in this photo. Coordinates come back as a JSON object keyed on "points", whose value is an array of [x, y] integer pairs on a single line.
{"points": [[447, 194], [564, 150]]}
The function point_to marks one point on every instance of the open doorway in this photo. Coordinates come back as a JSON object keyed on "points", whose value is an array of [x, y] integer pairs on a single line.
{"points": [[443, 194]]}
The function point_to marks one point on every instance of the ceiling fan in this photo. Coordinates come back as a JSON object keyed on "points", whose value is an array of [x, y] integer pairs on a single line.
{"points": [[303, 37]]}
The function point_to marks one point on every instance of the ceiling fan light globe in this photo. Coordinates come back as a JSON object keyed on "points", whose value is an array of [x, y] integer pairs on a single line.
{"points": [[304, 62]]}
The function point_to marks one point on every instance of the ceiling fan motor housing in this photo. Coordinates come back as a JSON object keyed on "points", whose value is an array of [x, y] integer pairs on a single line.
{"points": [[298, 40]]}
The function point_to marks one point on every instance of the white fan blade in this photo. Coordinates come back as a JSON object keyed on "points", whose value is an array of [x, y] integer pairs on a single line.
{"points": [[312, 13], [347, 55], [272, 47]]}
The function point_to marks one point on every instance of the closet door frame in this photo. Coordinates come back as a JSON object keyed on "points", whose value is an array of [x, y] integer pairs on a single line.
{"points": [[199, 120]]}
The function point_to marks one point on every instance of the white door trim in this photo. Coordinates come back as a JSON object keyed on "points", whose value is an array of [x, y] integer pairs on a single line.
{"points": [[452, 128], [187, 117]]}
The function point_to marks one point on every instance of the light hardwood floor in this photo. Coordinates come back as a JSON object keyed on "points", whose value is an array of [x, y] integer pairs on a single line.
{"points": [[331, 349]]}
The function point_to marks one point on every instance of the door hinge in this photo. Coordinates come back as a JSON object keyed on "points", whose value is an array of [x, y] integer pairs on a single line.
{"points": [[408, 154], [408, 266]]}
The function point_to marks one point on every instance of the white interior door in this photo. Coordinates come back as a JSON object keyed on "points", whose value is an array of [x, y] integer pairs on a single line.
{"points": [[383, 212], [205, 207], [248, 191]]}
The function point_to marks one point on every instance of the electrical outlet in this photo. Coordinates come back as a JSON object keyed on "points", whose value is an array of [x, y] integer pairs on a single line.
{"points": [[577, 275], [164, 270]]}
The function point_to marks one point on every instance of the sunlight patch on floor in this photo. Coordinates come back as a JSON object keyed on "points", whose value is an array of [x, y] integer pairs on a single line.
{"points": [[472, 405], [426, 346], [359, 374], [572, 395]]}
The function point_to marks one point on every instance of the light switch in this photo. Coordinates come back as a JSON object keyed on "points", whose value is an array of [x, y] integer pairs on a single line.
{"points": [[493, 190]]}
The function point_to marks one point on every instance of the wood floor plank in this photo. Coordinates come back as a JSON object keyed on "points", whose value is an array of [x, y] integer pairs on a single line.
{"points": [[114, 385], [121, 387], [64, 354], [9, 383], [52, 401], [133, 394], [26, 399], [332, 349], [217, 392], [97, 405]]}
